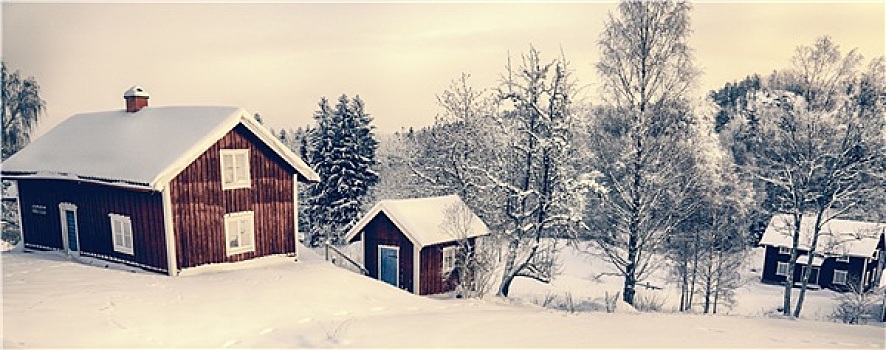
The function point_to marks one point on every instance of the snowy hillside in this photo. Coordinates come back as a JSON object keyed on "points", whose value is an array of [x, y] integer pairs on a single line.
{"points": [[50, 301]]}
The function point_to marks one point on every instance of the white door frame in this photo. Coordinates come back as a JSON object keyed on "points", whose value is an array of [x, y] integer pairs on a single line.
{"points": [[62, 208], [378, 257]]}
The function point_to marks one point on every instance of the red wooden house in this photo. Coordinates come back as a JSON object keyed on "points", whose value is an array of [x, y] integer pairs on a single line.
{"points": [[162, 188], [847, 251], [407, 243]]}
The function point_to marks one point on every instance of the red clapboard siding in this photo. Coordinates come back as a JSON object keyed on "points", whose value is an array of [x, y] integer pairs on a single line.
{"points": [[94, 202], [199, 203], [381, 230]]}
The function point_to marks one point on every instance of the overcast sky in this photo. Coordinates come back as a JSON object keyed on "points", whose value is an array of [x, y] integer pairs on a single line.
{"points": [[280, 59]]}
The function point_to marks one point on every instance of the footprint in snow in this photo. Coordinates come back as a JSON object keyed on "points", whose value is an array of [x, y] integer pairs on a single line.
{"points": [[230, 343], [266, 331], [305, 320]]}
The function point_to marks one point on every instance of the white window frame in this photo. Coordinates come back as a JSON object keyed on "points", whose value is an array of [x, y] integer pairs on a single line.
{"points": [[241, 231], [843, 258], [238, 170], [779, 266], [784, 250], [449, 256], [840, 281], [121, 233]]}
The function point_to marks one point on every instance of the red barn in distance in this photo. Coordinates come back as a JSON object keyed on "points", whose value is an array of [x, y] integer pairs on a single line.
{"points": [[161, 188]]}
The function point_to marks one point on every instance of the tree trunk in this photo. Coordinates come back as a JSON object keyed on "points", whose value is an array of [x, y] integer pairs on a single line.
{"points": [[808, 271], [789, 279], [509, 273]]}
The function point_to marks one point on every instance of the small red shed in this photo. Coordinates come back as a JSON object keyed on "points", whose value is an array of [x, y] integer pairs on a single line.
{"points": [[407, 243], [162, 188]]}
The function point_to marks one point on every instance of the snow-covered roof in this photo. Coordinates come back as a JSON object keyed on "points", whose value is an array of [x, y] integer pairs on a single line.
{"points": [[423, 220], [838, 237], [143, 149]]}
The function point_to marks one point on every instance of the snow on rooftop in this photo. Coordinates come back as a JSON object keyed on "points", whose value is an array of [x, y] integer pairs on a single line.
{"points": [[423, 220], [838, 237], [136, 91], [145, 148]]}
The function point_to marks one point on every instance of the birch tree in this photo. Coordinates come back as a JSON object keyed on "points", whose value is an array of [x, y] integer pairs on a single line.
{"points": [[812, 135], [647, 67], [21, 109]]}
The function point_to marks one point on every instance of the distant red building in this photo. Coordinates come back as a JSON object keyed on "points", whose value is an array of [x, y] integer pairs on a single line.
{"points": [[406, 242], [847, 252], [162, 188]]}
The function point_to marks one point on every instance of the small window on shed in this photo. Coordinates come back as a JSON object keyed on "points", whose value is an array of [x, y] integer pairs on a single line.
{"points": [[784, 250], [235, 169], [843, 258], [121, 233], [449, 258], [239, 232]]}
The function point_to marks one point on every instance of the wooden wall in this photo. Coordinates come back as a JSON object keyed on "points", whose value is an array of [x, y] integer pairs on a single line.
{"points": [[855, 269], [381, 230], [199, 203], [94, 202], [433, 280]]}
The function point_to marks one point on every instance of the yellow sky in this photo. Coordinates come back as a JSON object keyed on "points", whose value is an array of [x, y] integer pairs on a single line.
{"points": [[279, 59]]}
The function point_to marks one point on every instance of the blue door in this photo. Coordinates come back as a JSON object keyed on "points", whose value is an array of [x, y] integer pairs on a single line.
{"points": [[70, 219], [388, 265]]}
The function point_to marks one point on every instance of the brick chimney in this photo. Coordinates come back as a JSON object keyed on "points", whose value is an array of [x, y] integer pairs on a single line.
{"points": [[136, 99]]}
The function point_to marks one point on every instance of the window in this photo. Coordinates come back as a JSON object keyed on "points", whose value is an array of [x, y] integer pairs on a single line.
{"points": [[449, 258], [839, 276], [239, 232], [784, 250], [843, 258], [782, 269], [121, 233], [235, 168], [876, 255]]}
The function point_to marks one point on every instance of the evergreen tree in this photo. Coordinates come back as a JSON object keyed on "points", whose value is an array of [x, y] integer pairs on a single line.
{"points": [[342, 151]]}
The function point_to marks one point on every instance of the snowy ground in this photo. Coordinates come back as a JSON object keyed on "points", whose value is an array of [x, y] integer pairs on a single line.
{"points": [[51, 301]]}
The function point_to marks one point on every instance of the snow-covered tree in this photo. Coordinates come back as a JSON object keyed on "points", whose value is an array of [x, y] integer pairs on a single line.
{"points": [[22, 109], [506, 153], [816, 140], [707, 248], [474, 258], [342, 151], [640, 138]]}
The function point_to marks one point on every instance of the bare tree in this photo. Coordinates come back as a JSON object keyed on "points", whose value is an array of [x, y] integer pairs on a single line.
{"points": [[817, 147], [646, 67], [858, 305], [507, 156], [474, 260]]}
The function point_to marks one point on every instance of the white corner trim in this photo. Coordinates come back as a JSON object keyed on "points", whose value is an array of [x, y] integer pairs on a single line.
{"points": [[171, 259], [295, 212], [416, 269], [21, 216]]}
